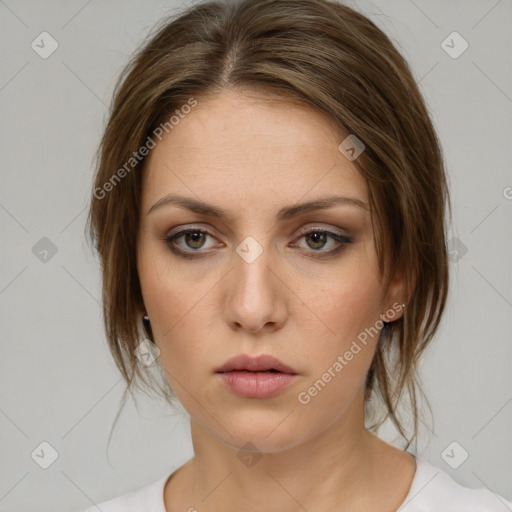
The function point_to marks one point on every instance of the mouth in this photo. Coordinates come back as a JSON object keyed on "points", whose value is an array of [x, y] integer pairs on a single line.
{"points": [[259, 377]]}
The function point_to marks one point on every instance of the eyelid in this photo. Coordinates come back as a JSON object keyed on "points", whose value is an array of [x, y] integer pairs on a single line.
{"points": [[326, 229], [188, 227]]}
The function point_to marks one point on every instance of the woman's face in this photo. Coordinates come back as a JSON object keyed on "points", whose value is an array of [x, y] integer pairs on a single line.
{"points": [[261, 278]]}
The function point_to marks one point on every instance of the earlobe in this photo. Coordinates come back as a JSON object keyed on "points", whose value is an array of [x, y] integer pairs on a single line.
{"points": [[394, 312]]}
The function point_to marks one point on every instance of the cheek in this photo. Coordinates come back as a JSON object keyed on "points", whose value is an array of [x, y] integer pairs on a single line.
{"points": [[339, 361], [343, 334], [181, 317], [348, 304], [169, 293]]}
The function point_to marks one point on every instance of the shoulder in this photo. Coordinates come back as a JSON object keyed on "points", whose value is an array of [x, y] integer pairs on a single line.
{"points": [[148, 498], [434, 490]]}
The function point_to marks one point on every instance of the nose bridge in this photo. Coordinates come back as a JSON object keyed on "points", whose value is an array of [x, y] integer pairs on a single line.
{"points": [[254, 292], [253, 262]]}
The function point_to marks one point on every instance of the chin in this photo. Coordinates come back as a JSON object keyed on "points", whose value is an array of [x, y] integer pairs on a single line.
{"points": [[259, 431]]}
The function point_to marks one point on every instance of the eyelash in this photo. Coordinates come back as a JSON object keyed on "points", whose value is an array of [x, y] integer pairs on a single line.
{"points": [[342, 240]]}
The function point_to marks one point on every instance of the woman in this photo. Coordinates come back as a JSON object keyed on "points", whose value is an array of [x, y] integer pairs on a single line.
{"points": [[269, 210]]}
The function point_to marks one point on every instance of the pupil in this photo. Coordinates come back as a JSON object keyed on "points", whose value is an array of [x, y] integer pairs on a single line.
{"points": [[318, 238], [196, 237]]}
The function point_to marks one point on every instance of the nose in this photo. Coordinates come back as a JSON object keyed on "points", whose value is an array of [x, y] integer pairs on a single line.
{"points": [[256, 297]]}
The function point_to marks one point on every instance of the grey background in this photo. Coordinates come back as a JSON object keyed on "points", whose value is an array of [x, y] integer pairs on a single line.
{"points": [[58, 382]]}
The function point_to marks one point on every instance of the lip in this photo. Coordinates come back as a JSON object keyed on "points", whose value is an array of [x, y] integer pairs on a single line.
{"points": [[261, 363], [251, 377]]}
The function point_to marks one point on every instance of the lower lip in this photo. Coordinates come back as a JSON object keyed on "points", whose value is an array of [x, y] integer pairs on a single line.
{"points": [[256, 384]]}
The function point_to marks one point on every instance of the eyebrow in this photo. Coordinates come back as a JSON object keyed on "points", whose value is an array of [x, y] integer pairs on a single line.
{"points": [[284, 213]]}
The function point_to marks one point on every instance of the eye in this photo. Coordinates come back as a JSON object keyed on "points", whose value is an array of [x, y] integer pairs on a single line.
{"points": [[192, 240], [316, 239]]}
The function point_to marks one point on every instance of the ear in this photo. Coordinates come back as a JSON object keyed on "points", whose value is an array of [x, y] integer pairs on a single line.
{"points": [[398, 295]]}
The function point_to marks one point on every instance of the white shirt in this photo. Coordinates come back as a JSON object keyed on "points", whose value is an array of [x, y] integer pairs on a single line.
{"points": [[432, 490]]}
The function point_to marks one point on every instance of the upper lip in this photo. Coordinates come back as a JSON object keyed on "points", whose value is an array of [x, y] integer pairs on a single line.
{"points": [[259, 363]]}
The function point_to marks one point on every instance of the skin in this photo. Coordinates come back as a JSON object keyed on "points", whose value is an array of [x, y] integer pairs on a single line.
{"points": [[252, 154]]}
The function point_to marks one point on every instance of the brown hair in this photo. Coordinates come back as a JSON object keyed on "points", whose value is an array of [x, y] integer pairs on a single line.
{"points": [[333, 59]]}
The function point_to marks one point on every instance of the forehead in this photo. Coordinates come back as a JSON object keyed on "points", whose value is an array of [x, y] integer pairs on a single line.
{"points": [[252, 147], [238, 121]]}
